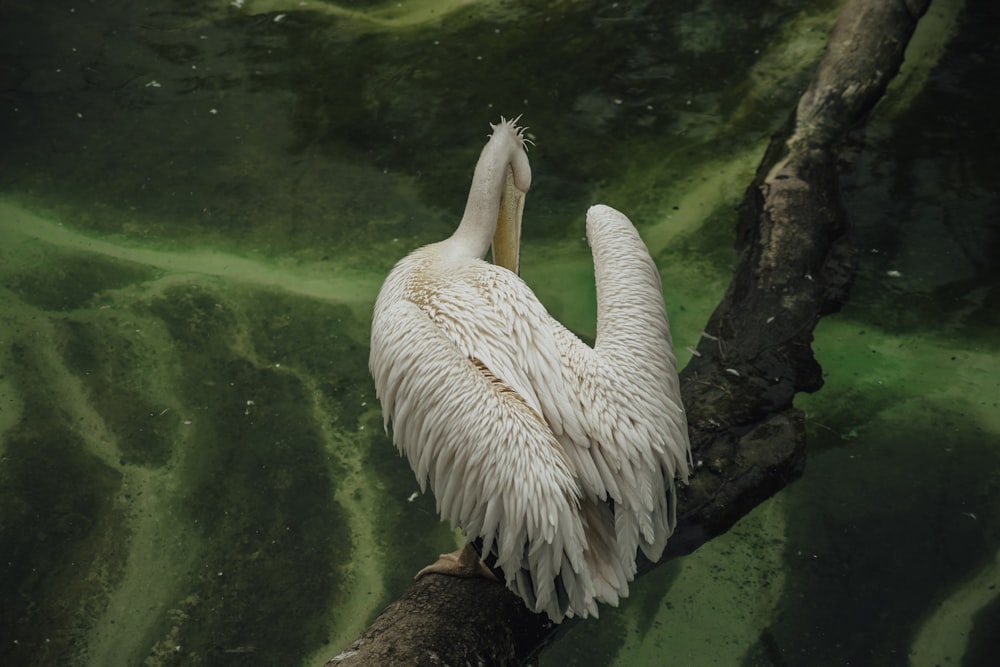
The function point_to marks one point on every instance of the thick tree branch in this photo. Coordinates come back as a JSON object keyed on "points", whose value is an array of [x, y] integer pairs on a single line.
{"points": [[796, 264]]}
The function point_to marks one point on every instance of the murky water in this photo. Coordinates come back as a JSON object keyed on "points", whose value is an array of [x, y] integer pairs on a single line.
{"points": [[198, 201]]}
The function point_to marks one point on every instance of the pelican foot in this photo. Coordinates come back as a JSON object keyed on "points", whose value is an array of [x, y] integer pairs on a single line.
{"points": [[462, 563]]}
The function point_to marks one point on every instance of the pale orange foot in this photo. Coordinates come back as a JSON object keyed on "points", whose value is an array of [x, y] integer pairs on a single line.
{"points": [[462, 563]]}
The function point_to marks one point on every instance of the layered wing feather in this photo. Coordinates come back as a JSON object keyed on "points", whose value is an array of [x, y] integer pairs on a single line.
{"points": [[629, 391]]}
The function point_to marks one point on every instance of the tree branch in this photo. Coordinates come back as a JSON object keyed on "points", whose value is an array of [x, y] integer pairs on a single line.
{"points": [[796, 264]]}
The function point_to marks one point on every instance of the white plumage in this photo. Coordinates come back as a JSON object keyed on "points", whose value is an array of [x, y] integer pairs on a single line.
{"points": [[561, 457]]}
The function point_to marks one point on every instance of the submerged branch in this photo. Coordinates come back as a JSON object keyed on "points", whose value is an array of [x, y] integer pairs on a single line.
{"points": [[796, 264]]}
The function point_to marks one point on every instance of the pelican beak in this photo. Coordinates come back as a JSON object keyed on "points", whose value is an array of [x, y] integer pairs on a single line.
{"points": [[507, 238]]}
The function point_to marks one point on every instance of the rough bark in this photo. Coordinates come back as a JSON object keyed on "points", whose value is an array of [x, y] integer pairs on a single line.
{"points": [[796, 262]]}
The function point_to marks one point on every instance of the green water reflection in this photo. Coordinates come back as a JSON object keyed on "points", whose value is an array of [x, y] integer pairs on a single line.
{"points": [[198, 202]]}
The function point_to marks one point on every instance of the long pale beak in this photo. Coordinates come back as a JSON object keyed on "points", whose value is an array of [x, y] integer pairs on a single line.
{"points": [[507, 238]]}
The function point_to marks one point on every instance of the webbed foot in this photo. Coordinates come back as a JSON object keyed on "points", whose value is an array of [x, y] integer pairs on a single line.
{"points": [[462, 563]]}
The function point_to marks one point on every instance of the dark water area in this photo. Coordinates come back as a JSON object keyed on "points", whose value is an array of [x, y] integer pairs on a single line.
{"points": [[199, 200]]}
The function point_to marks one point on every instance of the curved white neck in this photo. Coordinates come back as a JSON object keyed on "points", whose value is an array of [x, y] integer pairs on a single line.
{"points": [[503, 154]]}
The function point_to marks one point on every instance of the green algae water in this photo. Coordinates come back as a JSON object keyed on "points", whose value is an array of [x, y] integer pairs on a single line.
{"points": [[198, 203]]}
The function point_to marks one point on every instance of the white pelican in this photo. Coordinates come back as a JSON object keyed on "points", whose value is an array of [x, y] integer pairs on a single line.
{"points": [[561, 457]]}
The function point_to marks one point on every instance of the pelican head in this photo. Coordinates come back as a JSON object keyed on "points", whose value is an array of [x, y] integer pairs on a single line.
{"points": [[496, 199]]}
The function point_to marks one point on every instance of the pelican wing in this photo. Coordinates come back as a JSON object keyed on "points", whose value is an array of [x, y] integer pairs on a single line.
{"points": [[494, 466], [615, 408], [628, 389]]}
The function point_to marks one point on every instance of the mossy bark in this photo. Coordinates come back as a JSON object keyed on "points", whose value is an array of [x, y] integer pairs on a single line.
{"points": [[796, 263]]}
